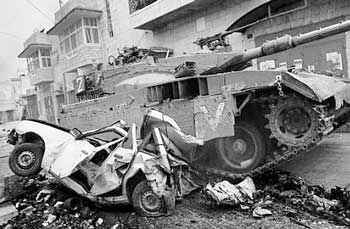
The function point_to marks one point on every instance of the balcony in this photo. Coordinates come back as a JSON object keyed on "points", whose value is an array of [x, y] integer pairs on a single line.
{"points": [[68, 7], [29, 92], [135, 5], [72, 17], [41, 75], [153, 14], [34, 42]]}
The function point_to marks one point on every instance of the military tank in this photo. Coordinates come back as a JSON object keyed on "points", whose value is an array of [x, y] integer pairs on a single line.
{"points": [[250, 120]]}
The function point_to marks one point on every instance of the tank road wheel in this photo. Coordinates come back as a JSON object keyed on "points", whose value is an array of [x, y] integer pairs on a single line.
{"points": [[293, 122], [244, 151], [25, 159]]}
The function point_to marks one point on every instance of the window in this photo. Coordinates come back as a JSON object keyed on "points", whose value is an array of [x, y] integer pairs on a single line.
{"points": [[72, 38], [91, 31], [34, 62], [45, 58], [74, 35]]}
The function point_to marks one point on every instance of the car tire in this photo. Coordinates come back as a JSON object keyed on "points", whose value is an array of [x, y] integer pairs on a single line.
{"points": [[25, 160], [146, 202]]}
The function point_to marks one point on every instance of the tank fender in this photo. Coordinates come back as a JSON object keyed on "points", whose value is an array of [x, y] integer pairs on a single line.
{"points": [[318, 87]]}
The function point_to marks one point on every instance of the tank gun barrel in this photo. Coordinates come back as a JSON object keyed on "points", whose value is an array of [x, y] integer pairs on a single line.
{"points": [[278, 45]]}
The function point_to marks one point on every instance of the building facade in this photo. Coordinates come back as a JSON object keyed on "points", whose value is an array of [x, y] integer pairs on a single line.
{"points": [[40, 61], [86, 33], [12, 104]]}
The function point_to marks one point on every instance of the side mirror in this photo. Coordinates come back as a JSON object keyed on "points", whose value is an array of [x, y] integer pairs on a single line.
{"points": [[75, 132]]}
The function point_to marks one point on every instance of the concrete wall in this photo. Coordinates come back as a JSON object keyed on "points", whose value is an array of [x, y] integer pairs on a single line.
{"points": [[179, 33], [86, 54], [318, 13], [41, 75]]}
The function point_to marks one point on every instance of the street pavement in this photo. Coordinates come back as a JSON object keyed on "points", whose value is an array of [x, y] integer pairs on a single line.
{"points": [[327, 164]]}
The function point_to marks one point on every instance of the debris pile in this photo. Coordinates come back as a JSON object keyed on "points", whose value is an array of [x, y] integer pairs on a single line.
{"points": [[227, 193], [263, 198], [52, 206], [330, 204]]}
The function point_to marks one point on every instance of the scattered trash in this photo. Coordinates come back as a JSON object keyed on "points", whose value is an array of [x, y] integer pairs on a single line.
{"points": [[324, 203], [50, 220], [7, 211], [331, 204], [28, 211], [73, 204], [260, 212], [99, 222], [229, 194], [58, 204]]}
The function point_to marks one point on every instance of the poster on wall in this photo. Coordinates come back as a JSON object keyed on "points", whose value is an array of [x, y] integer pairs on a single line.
{"points": [[334, 61], [311, 68], [283, 66], [298, 63], [267, 65]]}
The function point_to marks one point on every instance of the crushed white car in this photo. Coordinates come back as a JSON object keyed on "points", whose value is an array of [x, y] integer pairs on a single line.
{"points": [[110, 165]]}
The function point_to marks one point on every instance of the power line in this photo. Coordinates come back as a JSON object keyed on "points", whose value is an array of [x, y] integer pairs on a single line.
{"points": [[42, 13]]}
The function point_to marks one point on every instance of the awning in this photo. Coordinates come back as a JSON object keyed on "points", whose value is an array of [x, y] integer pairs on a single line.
{"points": [[32, 48], [72, 17], [258, 14]]}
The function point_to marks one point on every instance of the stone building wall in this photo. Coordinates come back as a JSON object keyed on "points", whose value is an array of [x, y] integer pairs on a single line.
{"points": [[318, 13]]}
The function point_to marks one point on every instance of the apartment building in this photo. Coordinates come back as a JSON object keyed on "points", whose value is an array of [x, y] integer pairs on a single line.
{"points": [[87, 32], [41, 62], [12, 103]]}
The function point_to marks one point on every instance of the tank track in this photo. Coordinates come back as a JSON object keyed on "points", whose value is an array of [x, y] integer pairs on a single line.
{"points": [[288, 155], [325, 121]]}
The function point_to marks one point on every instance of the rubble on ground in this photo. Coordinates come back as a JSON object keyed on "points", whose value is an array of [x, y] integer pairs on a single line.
{"points": [[272, 194], [227, 193], [52, 206], [277, 187]]}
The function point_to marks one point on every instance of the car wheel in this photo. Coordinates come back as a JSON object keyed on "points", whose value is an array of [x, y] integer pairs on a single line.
{"points": [[244, 151], [25, 160], [146, 202]]}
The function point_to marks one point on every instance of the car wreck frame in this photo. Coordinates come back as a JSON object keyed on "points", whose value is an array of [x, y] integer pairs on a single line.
{"points": [[123, 170]]}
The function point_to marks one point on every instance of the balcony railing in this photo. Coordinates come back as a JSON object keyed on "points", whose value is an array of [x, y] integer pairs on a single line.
{"points": [[135, 5], [90, 95]]}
